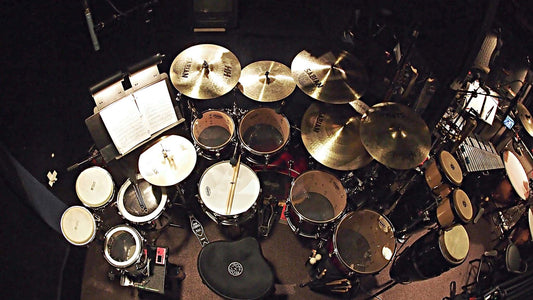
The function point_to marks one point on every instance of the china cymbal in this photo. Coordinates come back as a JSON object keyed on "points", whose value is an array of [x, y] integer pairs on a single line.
{"points": [[205, 71], [168, 161], [334, 76], [525, 118], [395, 135], [266, 81], [331, 135]]}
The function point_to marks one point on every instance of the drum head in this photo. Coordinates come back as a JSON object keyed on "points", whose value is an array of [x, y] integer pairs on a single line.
{"points": [[214, 130], [318, 196], [78, 225], [215, 184], [454, 244], [530, 221], [451, 167], [462, 205], [516, 174], [365, 241], [263, 131], [123, 246], [95, 187], [154, 198]]}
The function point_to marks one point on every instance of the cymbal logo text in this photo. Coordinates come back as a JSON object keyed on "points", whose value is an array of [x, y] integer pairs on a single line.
{"points": [[187, 69], [318, 122], [313, 78]]}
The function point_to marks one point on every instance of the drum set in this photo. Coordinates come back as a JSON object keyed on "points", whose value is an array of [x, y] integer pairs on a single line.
{"points": [[341, 133]]}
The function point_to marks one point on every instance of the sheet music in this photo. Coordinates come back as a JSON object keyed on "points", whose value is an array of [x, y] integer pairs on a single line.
{"points": [[125, 124], [155, 105]]}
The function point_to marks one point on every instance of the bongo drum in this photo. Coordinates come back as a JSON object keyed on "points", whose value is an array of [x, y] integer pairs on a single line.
{"points": [[95, 187], [78, 225], [213, 133], [317, 198], [457, 210], [154, 198], [442, 174]]}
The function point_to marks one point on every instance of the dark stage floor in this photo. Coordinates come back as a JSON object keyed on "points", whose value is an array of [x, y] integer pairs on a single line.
{"points": [[49, 63]]}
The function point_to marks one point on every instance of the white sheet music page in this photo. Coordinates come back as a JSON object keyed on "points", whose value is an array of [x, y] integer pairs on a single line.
{"points": [[155, 104], [125, 124]]}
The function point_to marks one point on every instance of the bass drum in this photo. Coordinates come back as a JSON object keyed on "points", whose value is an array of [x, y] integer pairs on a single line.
{"points": [[514, 184], [154, 198], [123, 249], [213, 133], [95, 187], [431, 255], [363, 243], [214, 188], [78, 225], [317, 199]]}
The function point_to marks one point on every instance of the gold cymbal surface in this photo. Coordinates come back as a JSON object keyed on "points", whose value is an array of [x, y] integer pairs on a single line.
{"points": [[205, 71], [525, 118], [266, 81], [330, 134], [334, 76], [395, 135]]}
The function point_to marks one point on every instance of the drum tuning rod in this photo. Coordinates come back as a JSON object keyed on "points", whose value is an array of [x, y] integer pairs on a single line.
{"points": [[233, 184]]}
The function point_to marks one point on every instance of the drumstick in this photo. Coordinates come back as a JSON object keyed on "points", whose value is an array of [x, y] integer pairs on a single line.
{"points": [[233, 184]]}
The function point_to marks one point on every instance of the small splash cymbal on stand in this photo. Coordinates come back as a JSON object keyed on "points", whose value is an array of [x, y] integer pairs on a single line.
{"points": [[266, 81]]}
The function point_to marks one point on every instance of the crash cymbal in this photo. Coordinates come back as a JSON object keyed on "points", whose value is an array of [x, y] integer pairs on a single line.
{"points": [[205, 71], [330, 76], [395, 135], [168, 161], [525, 118], [266, 81], [330, 134]]}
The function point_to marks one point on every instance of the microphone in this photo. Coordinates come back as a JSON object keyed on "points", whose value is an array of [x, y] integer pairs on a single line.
{"points": [[90, 24]]}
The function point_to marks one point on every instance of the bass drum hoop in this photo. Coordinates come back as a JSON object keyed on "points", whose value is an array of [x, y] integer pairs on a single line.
{"points": [[140, 219], [138, 246]]}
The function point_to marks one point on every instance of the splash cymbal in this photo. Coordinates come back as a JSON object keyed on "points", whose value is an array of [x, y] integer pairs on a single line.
{"points": [[266, 81], [525, 118], [331, 135], [205, 71], [330, 76], [395, 135], [168, 161]]}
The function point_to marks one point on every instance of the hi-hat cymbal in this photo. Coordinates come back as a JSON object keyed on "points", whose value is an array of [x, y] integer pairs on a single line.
{"points": [[266, 81], [525, 118], [205, 71], [334, 76], [331, 135], [395, 135], [168, 161]]}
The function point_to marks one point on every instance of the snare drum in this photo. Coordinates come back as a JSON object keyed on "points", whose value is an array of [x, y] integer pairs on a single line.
{"points": [[213, 133], [457, 210], [78, 225], [447, 166], [363, 243], [316, 200], [95, 187], [431, 255], [263, 133], [214, 189], [515, 184], [123, 249], [154, 198]]}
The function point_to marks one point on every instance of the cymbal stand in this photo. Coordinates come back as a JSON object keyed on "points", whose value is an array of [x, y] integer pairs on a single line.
{"points": [[179, 99], [236, 111]]}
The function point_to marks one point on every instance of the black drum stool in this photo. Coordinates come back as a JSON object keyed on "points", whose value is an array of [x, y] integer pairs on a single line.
{"points": [[236, 269]]}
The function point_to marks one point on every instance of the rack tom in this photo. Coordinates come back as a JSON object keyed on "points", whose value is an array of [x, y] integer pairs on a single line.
{"points": [[212, 134]]}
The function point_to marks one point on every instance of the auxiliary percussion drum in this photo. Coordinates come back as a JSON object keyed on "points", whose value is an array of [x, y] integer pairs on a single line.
{"points": [[457, 210], [95, 187], [514, 185], [154, 200], [317, 198], [123, 249], [263, 132], [446, 167], [212, 133], [214, 189], [431, 255], [78, 225], [363, 243]]}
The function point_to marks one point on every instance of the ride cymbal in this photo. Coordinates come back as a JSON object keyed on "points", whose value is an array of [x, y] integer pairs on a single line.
{"points": [[205, 71], [168, 161], [525, 118], [331, 135], [395, 135], [266, 81], [335, 77]]}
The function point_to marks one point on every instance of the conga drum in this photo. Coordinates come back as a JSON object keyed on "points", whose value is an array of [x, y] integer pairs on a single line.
{"points": [[95, 187], [78, 225], [431, 255]]}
